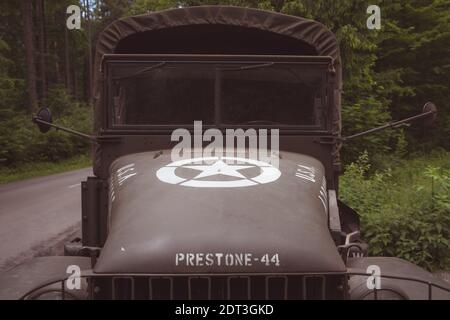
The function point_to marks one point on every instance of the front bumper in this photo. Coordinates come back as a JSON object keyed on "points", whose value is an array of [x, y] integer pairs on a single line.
{"points": [[399, 278]]}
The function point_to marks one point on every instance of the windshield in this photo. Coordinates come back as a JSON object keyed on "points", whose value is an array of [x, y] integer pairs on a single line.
{"points": [[177, 93]]}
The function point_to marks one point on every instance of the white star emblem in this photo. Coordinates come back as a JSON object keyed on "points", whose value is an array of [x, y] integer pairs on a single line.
{"points": [[219, 167], [267, 173]]}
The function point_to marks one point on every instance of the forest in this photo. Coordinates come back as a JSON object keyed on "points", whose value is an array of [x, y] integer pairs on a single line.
{"points": [[398, 180]]}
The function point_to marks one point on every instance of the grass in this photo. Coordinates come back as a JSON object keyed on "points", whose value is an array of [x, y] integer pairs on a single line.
{"points": [[31, 170], [399, 181], [408, 175], [411, 171], [404, 208]]}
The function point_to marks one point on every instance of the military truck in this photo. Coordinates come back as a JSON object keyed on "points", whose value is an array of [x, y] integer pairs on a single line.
{"points": [[154, 228]]}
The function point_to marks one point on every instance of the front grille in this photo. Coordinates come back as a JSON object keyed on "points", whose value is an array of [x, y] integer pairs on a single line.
{"points": [[222, 287], [232, 287]]}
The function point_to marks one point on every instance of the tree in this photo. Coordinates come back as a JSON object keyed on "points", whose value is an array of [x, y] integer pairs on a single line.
{"points": [[67, 61], [87, 9], [27, 11], [40, 12], [365, 103], [144, 6], [414, 56]]}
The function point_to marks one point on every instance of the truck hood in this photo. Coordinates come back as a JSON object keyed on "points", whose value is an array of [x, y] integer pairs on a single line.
{"points": [[217, 217]]}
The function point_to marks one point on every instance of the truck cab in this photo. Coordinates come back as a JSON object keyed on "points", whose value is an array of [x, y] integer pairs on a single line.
{"points": [[212, 86]]}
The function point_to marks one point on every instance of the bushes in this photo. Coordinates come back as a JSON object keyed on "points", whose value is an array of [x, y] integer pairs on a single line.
{"points": [[405, 212], [21, 142]]}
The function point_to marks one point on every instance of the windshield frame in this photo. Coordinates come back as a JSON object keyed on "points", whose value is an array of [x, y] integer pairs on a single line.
{"points": [[323, 63]]}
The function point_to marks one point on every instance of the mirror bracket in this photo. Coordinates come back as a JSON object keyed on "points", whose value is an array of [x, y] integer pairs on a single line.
{"points": [[429, 112], [43, 120]]}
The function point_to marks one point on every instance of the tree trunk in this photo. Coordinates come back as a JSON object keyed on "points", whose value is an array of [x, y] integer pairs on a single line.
{"points": [[67, 61], [27, 12], [90, 76], [75, 83], [57, 60], [42, 48]]}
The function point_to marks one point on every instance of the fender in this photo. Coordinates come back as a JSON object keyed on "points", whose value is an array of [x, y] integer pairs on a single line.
{"points": [[417, 288], [17, 282]]}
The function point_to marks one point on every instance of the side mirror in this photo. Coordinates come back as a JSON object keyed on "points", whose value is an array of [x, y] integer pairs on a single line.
{"points": [[431, 109], [43, 120], [45, 117]]}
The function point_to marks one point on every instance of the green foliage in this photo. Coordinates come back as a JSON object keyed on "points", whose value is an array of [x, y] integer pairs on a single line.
{"points": [[59, 101], [21, 142], [10, 88], [366, 100], [404, 213], [416, 46], [387, 74], [143, 6]]}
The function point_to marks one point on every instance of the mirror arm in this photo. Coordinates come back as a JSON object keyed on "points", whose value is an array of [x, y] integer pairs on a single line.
{"points": [[391, 125], [80, 134]]}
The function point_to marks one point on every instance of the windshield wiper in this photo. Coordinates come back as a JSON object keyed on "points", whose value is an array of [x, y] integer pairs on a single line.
{"points": [[142, 71], [249, 67]]}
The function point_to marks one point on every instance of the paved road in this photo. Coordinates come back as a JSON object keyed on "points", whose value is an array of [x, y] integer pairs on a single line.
{"points": [[37, 214]]}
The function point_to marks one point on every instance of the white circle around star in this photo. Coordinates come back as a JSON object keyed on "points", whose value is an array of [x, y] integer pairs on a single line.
{"points": [[218, 168]]}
